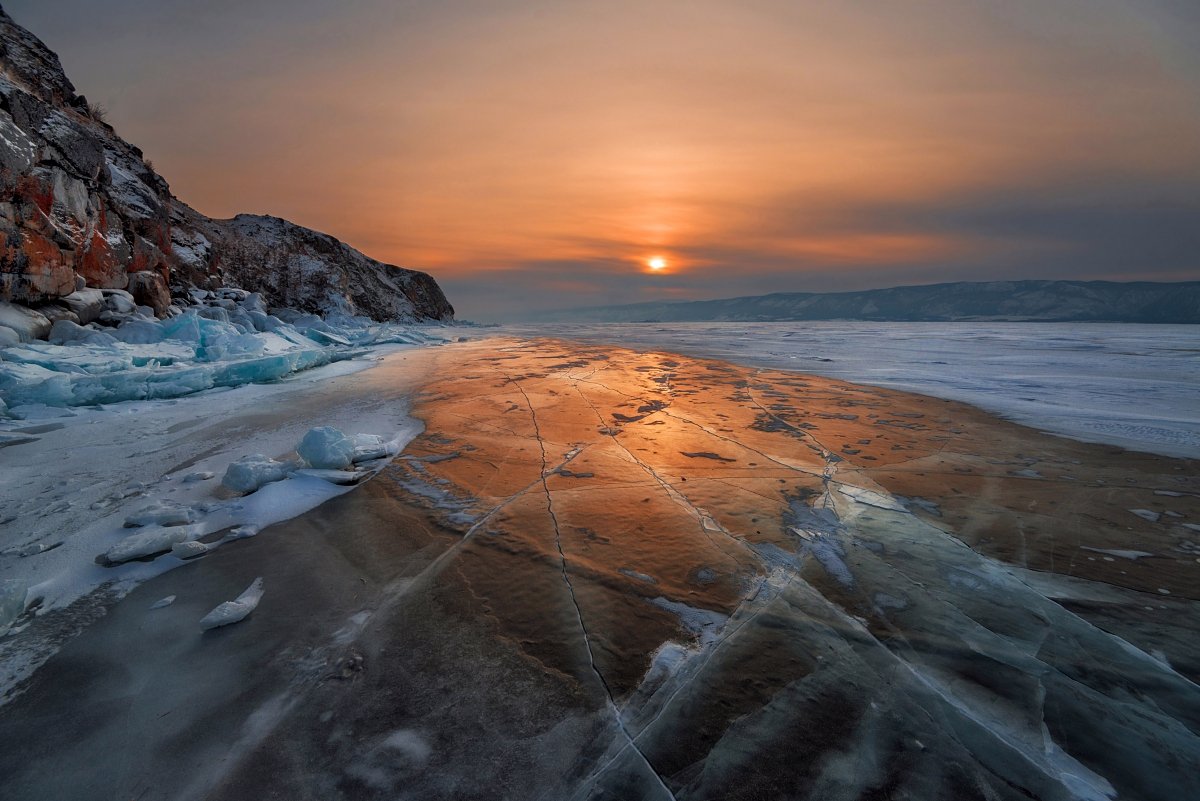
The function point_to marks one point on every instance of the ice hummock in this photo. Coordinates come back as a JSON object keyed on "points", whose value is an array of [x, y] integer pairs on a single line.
{"points": [[326, 448], [251, 472], [150, 541], [221, 339], [236, 610]]}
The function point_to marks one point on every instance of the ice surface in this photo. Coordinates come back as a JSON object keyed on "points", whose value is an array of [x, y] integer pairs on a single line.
{"points": [[326, 448], [1129, 385], [251, 472], [73, 509], [236, 610]]}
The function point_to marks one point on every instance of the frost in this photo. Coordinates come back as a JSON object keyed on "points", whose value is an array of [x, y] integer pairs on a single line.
{"points": [[236, 610], [251, 472], [326, 448]]}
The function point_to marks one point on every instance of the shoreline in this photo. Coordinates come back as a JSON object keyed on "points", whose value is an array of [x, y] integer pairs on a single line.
{"points": [[579, 530]]}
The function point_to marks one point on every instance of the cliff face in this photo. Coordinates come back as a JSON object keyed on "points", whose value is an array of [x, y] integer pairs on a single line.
{"points": [[78, 204]]}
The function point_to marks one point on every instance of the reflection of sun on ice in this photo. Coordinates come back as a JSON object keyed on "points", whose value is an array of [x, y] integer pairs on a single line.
{"points": [[657, 263]]}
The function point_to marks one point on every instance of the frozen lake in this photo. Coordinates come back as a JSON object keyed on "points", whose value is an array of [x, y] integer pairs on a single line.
{"points": [[1137, 386]]}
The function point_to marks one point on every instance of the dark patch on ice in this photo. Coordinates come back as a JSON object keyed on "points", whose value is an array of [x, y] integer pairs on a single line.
{"points": [[707, 455], [565, 473]]}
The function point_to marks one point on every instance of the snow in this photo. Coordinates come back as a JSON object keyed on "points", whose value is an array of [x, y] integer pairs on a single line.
{"points": [[1129, 385], [236, 610], [163, 602]]}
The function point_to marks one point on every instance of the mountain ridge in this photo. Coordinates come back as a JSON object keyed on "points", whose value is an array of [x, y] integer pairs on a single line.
{"points": [[81, 206], [959, 301]]}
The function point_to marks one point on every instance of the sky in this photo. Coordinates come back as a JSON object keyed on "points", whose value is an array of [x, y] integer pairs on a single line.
{"points": [[535, 155]]}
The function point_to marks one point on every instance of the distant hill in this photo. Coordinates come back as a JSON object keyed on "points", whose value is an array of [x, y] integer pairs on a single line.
{"points": [[1028, 301]]}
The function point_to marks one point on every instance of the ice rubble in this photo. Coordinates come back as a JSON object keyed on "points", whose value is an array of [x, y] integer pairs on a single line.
{"points": [[325, 453], [172, 527], [219, 339], [236, 610]]}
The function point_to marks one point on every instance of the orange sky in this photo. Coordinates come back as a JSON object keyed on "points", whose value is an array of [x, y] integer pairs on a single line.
{"points": [[536, 154]]}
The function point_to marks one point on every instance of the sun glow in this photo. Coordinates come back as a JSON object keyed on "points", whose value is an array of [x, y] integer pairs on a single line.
{"points": [[657, 263]]}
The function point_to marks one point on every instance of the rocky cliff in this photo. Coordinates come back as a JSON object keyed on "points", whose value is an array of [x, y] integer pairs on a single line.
{"points": [[1026, 301], [81, 206]]}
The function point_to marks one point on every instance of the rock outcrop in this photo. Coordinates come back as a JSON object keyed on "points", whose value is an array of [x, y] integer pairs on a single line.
{"points": [[79, 206]]}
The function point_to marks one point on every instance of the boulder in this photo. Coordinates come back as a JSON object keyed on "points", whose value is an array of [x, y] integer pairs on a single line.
{"points": [[149, 289], [88, 304], [27, 323]]}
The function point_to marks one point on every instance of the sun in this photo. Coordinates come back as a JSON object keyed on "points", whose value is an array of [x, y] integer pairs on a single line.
{"points": [[657, 263]]}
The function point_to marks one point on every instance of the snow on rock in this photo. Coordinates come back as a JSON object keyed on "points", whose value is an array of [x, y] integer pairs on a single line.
{"points": [[326, 448], [26, 323], [236, 610], [251, 472], [150, 541], [12, 602], [87, 304]]}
